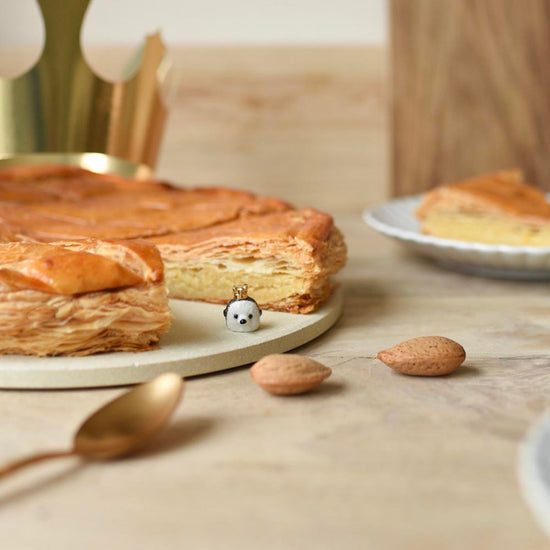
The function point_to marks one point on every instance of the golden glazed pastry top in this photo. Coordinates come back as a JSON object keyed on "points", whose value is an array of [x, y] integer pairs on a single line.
{"points": [[306, 225], [43, 182], [501, 193], [75, 268], [45, 203], [306, 235]]}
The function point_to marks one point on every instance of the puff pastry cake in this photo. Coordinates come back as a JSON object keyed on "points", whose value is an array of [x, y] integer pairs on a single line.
{"points": [[497, 208], [209, 238], [81, 298]]}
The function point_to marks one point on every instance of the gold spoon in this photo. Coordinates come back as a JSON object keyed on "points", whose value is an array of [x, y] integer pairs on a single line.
{"points": [[121, 426]]}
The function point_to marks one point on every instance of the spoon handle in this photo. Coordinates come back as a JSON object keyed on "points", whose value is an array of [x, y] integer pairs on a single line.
{"points": [[23, 462]]}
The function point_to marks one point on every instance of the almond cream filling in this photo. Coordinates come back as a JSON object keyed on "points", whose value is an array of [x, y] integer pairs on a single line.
{"points": [[490, 229], [268, 281]]}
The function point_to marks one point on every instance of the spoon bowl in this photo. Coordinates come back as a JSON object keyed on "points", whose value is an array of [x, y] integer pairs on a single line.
{"points": [[128, 422], [122, 426]]}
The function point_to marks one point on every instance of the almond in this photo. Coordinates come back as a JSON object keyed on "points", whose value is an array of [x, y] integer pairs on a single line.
{"points": [[288, 374], [424, 356]]}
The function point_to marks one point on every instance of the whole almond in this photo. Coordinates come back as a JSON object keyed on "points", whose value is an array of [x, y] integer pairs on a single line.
{"points": [[424, 356], [288, 374]]}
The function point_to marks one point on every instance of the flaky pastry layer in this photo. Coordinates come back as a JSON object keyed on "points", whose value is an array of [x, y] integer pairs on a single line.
{"points": [[42, 323], [78, 298], [286, 259]]}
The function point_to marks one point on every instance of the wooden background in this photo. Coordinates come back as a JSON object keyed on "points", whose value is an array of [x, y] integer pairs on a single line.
{"points": [[309, 124], [306, 123], [470, 90]]}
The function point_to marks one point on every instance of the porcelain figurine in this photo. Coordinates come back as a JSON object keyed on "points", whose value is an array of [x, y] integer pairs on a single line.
{"points": [[242, 314]]}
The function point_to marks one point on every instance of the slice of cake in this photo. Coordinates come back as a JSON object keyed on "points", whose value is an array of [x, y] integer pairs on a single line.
{"points": [[81, 298], [495, 209], [286, 258]]}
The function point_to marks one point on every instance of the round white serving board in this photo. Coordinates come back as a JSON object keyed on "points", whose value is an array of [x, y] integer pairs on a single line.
{"points": [[197, 343]]}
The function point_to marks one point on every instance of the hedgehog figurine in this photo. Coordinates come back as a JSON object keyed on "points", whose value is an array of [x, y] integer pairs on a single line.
{"points": [[242, 314]]}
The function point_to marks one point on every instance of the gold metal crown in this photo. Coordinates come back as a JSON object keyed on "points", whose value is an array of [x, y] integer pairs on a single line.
{"points": [[61, 106], [240, 292]]}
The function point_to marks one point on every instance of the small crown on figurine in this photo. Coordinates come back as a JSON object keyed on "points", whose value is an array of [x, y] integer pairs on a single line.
{"points": [[61, 106], [240, 292]]}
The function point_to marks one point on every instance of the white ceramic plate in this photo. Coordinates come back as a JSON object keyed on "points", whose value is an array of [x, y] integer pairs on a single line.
{"points": [[198, 342], [396, 219], [534, 471]]}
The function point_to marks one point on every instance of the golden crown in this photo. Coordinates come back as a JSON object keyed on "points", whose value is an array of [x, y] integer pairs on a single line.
{"points": [[240, 292], [61, 106]]}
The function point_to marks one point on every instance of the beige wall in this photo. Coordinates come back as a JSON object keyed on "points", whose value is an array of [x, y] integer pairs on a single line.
{"points": [[213, 21]]}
